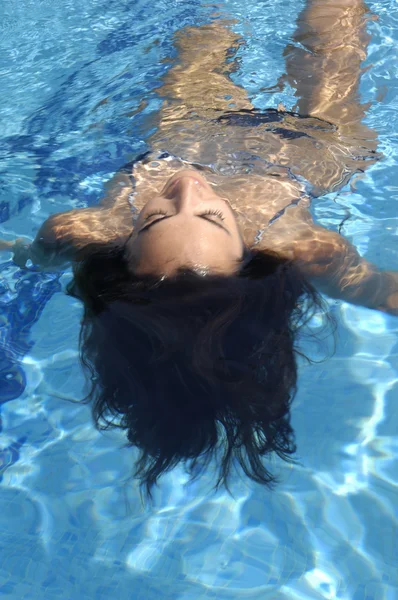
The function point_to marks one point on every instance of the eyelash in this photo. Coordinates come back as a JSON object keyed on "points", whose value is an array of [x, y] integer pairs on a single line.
{"points": [[218, 213], [154, 213]]}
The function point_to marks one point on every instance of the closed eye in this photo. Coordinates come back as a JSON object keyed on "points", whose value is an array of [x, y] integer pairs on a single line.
{"points": [[203, 216], [213, 222], [211, 211], [154, 213]]}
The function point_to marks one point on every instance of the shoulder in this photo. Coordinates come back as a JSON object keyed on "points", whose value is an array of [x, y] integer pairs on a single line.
{"points": [[316, 250], [63, 235]]}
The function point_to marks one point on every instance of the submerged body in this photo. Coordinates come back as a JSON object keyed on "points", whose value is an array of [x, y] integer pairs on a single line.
{"points": [[268, 165], [197, 269]]}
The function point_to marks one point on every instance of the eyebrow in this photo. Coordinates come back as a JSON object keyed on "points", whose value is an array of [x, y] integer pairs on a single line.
{"points": [[147, 227]]}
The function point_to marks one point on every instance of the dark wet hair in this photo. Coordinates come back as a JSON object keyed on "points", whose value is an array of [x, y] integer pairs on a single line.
{"points": [[194, 366]]}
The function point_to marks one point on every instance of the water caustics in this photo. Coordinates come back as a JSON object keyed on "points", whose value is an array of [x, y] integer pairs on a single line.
{"points": [[79, 95]]}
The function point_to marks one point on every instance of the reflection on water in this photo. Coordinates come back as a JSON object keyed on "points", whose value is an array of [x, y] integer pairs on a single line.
{"points": [[71, 520]]}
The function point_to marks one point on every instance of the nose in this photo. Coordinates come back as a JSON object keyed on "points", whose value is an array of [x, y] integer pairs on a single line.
{"points": [[187, 192]]}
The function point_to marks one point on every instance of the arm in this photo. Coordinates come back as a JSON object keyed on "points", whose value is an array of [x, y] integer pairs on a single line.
{"points": [[63, 237], [335, 268], [60, 240]]}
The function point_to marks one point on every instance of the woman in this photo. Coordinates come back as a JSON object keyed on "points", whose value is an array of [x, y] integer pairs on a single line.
{"points": [[200, 266]]}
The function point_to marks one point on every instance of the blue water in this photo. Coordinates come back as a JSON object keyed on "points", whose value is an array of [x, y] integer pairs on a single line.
{"points": [[74, 75]]}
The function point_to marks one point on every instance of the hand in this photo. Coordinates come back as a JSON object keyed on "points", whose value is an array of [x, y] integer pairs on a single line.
{"points": [[6, 245], [20, 249]]}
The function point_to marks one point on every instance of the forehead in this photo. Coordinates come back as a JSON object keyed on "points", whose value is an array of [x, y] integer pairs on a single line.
{"points": [[171, 237], [164, 249]]}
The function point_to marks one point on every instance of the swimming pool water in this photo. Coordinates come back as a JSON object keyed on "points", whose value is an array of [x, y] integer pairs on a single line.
{"points": [[78, 81]]}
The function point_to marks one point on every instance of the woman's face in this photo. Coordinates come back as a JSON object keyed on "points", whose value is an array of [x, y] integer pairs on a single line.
{"points": [[186, 225]]}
